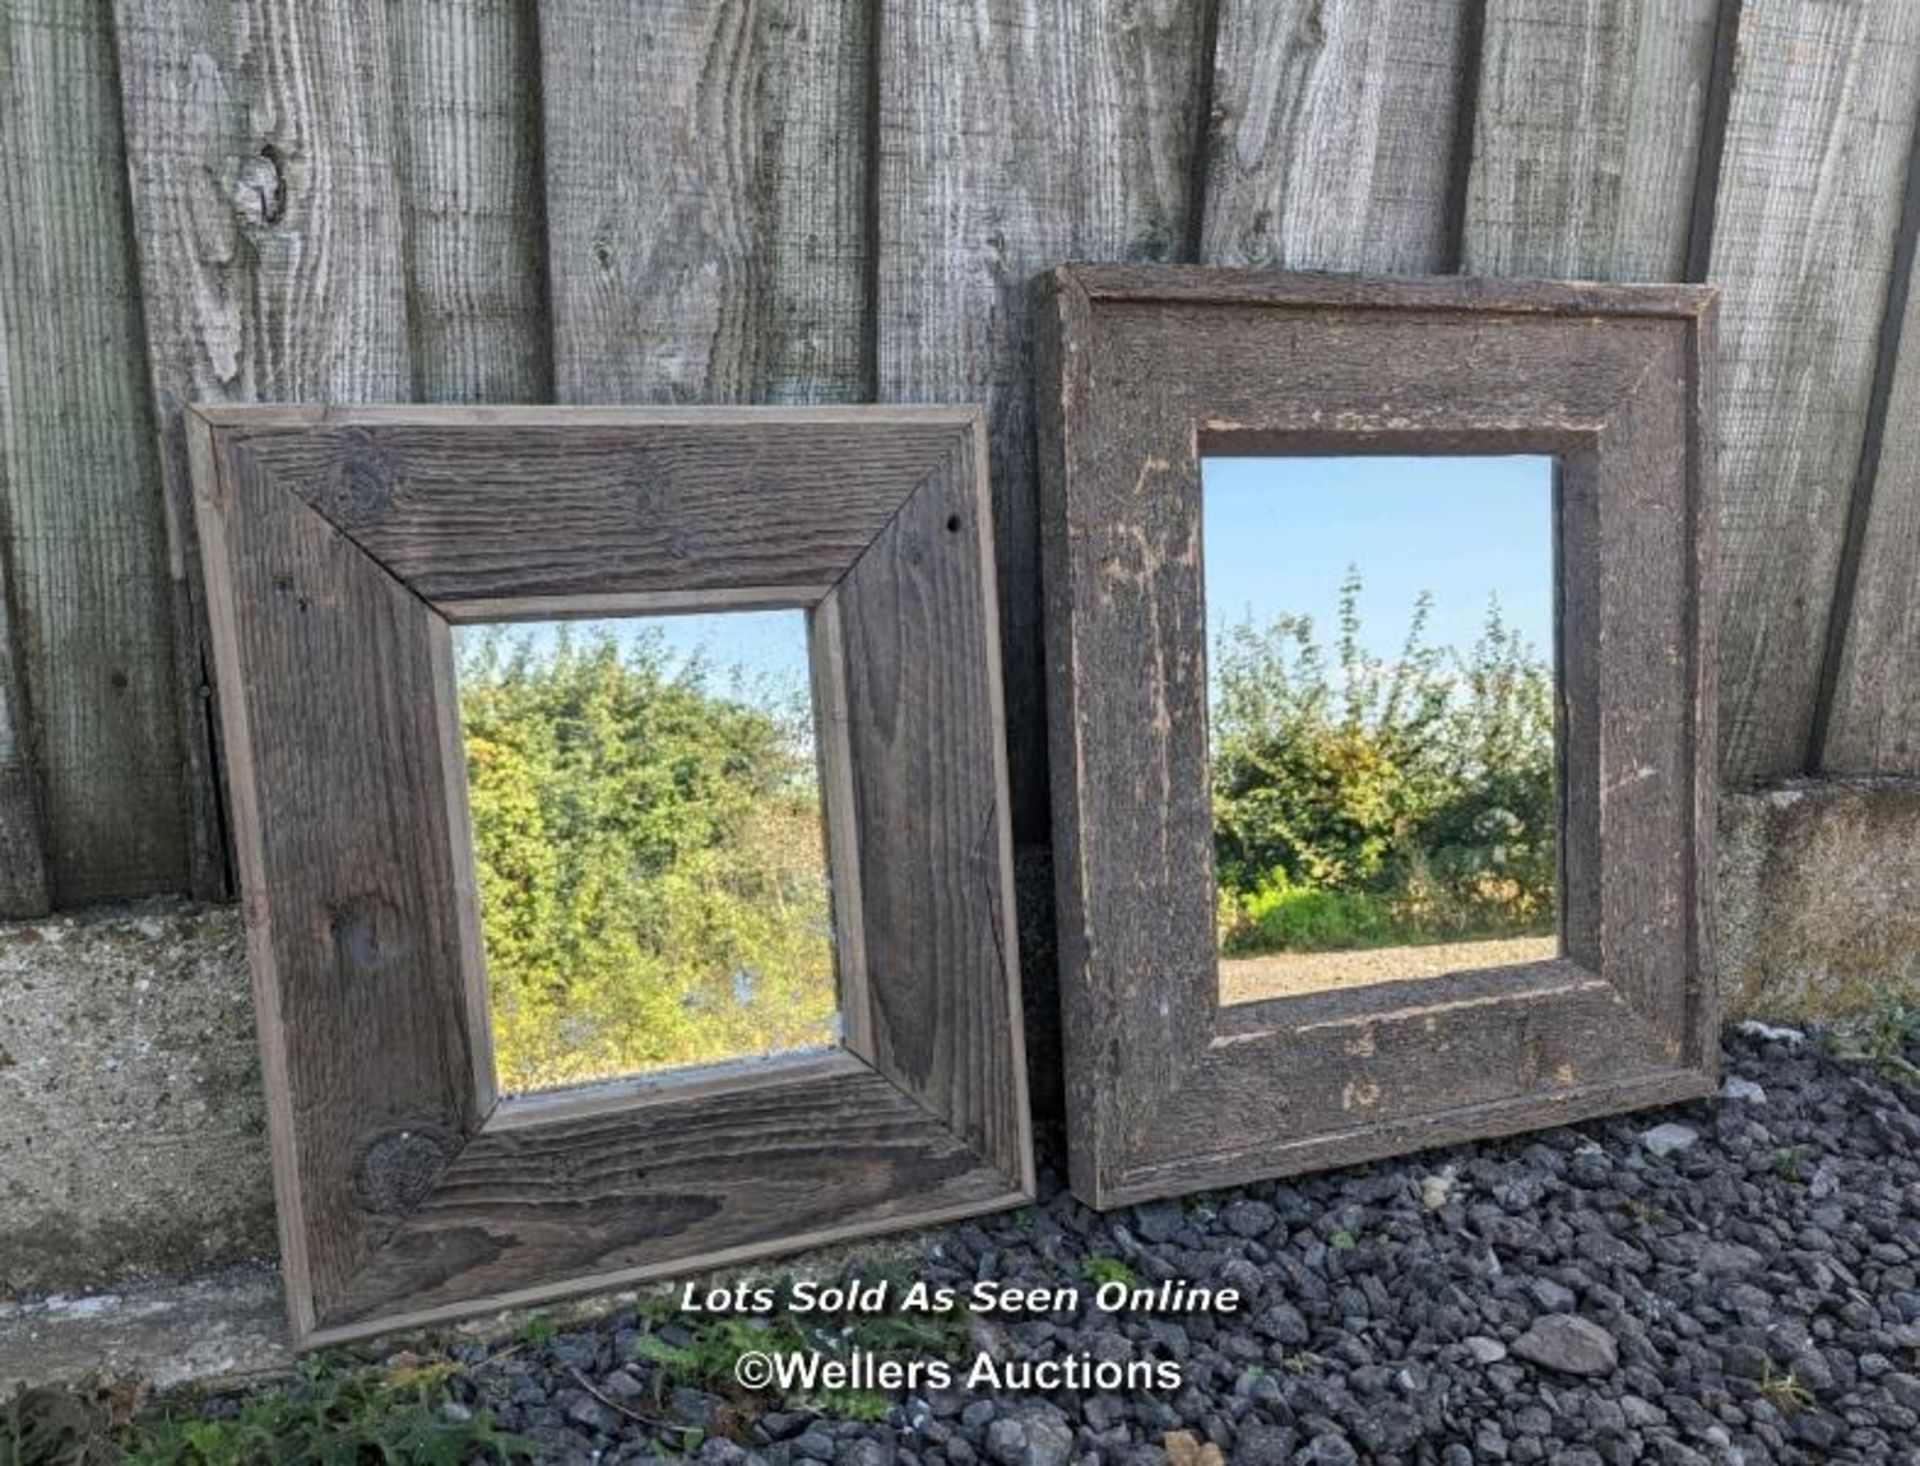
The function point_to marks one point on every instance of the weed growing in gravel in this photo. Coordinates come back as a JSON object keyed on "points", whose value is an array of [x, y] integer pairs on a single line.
{"points": [[1100, 1269], [1786, 1161], [331, 1412], [869, 1407], [1895, 1027], [536, 1332], [1785, 1393], [706, 1361], [706, 1349], [1343, 1241]]}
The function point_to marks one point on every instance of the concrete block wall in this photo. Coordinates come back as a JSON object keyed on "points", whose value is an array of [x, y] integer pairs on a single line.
{"points": [[132, 1129], [1820, 899]]}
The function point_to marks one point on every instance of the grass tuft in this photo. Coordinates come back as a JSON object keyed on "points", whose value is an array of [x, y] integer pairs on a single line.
{"points": [[1100, 1269]]}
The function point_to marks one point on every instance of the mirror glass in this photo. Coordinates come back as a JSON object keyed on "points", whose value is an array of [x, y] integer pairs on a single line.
{"points": [[1381, 717], [648, 843]]}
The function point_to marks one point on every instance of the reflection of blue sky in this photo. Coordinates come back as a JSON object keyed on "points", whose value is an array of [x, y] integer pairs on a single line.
{"points": [[754, 650], [1279, 534]]}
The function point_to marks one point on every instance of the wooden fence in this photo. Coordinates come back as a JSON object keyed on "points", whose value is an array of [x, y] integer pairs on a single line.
{"points": [[844, 200]]}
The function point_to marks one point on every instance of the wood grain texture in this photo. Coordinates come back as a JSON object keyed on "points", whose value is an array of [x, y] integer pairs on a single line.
{"points": [[504, 510], [337, 765], [1333, 134], [1649, 667], [1701, 1047], [1874, 727], [465, 895], [1300, 370], [706, 178], [614, 1198], [925, 736], [1014, 134], [1218, 286], [1821, 120], [23, 863], [85, 534], [1156, 1070], [1578, 717], [260, 144], [1133, 842], [1419, 1130], [1338, 1063], [467, 117], [1586, 137]]}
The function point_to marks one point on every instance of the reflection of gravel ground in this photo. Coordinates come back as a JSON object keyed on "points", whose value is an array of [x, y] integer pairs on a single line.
{"points": [[1284, 974], [1570, 1297]]}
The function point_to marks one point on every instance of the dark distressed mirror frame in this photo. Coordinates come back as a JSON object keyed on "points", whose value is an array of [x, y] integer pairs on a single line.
{"points": [[340, 545], [1144, 369]]}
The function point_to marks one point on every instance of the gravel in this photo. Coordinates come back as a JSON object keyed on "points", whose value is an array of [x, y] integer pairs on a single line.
{"points": [[1569, 1344], [1575, 1296], [1664, 1140]]}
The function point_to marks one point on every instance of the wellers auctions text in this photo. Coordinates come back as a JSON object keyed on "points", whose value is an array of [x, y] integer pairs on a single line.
{"points": [[807, 1372], [882, 1295]]}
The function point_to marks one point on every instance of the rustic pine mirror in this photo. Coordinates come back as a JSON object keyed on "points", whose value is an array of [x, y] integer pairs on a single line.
{"points": [[1325, 896], [589, 952]]}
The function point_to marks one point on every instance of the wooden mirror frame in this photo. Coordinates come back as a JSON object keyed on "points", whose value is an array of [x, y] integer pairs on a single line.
{"points": [[340, 545], [1141, 370]]}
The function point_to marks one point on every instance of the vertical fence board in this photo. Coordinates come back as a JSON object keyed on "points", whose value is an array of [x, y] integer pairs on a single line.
{"points": [[301, 241], [1333, 134], [706, 174], [1586, 136], [23, 864], [467, 108], [1014, 134], [83, 510], [260, 144], [1810, 185], [1874, 723]]}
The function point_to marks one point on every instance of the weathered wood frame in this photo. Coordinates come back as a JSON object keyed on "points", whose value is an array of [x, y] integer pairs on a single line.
{"points": [[340, 546], [1144, 369]]}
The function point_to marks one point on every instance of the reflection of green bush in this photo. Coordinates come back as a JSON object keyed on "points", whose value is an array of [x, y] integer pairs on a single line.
{"points": [[1281, 918], [651, 872], [1380, 802], [1277, 917]]}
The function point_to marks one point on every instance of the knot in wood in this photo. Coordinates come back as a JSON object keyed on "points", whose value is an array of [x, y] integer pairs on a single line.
{"points": [[363, 489], [357, 936], [260, 188], [397, 1168]]}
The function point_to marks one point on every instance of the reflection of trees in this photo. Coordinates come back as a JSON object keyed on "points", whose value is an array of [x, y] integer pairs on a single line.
{"points": [[1375, 800], [651, 872]]}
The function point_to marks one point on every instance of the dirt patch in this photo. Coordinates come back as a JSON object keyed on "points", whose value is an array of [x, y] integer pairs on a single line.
{"points": [[1288, 974]]}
